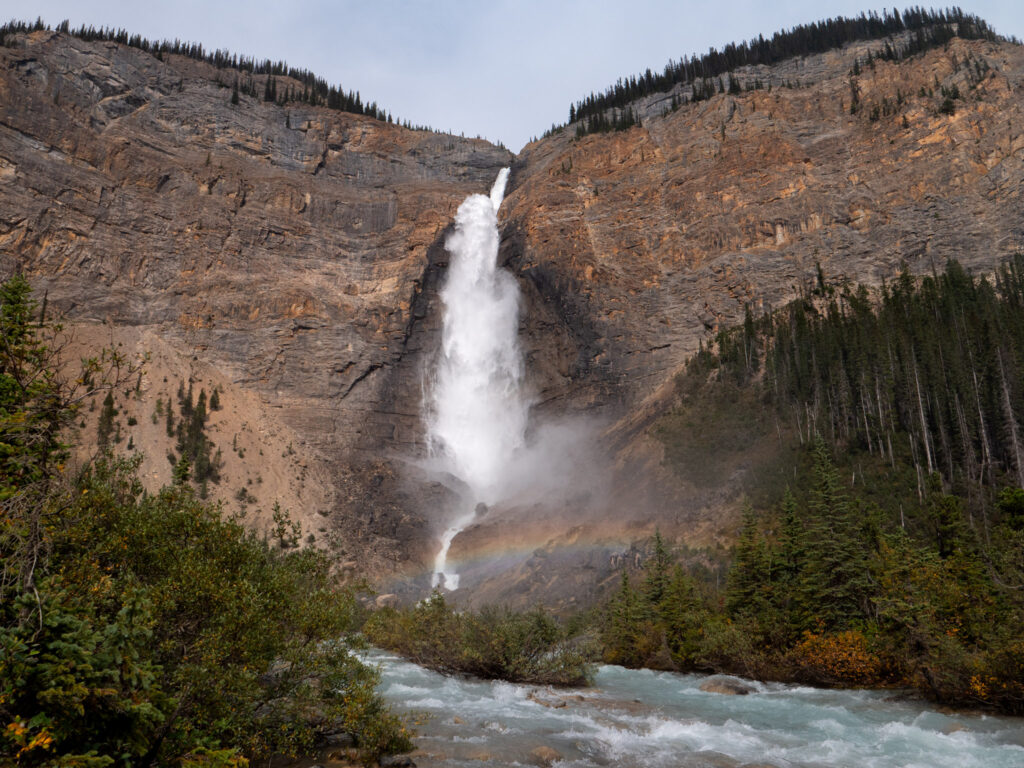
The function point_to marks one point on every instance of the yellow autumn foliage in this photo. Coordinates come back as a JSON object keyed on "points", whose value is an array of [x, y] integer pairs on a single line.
{"points": [[842, 658]]}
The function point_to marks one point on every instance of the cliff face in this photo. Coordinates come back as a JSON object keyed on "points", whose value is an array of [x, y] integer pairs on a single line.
{"points": [[658, 234], [287, 248], [293, 254]]}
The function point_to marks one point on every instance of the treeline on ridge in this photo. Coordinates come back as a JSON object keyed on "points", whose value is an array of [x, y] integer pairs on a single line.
{"points": [[930, 28], [311, 89], [927, 375]]}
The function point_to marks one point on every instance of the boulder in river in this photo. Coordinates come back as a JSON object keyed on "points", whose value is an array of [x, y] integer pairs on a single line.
{"points": [[544, 755], [551, 701], [728, 686]]}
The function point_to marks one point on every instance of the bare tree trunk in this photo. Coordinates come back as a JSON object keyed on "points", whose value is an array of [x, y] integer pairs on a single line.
{"points": [[986, 456], [881, 419], [924, 422], [1012, 421], [970, 458], [865, 408], [917, 466]]}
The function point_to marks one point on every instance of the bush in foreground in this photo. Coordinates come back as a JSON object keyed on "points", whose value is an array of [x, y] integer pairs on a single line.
{"points": [[159, 632], [493, 644]]}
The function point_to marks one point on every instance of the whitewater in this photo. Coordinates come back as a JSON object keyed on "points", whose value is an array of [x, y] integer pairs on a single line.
{"points": [[641, 719]]}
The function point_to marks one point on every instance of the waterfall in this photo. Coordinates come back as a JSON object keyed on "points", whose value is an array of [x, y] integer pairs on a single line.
{"points": [[475, 409]]}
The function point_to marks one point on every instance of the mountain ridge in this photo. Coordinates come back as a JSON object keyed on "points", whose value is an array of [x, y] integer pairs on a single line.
{"points": [[298, 250]]}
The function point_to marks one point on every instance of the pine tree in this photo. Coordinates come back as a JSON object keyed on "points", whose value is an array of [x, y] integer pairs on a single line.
{"points": [[625, 625], [656, 581], [792, 554], [682, 616], [749, 577], [182, 471], [105, 425], [947, 518], [836, 585]]}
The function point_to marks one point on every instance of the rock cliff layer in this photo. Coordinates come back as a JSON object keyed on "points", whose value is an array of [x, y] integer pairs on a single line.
{"points": [[656, 235]]}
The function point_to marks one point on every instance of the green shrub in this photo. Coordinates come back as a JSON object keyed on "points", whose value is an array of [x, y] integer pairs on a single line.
{"points": [[184, 630], [493, 644]]}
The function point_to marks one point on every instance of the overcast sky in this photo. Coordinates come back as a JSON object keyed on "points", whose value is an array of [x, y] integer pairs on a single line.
{"points": [[504, 69]]}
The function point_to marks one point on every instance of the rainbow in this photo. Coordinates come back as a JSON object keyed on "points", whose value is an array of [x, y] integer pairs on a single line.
{"points": [[497, 553]]}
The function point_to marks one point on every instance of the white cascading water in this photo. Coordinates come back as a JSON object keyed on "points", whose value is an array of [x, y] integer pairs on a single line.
{"points": [[476, 411]]}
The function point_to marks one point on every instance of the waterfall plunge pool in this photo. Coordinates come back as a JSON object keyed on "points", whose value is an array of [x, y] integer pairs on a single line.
{"points": [[646, 719]]}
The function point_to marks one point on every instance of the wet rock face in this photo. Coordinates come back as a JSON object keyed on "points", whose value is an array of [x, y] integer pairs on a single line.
{"points": [[300, 250]]}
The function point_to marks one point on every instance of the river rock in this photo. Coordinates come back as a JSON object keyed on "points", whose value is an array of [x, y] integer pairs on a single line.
{"points": [[396, 761], [551, 702], [338, 739], [728, 686], [544, 755], [348, 756]]}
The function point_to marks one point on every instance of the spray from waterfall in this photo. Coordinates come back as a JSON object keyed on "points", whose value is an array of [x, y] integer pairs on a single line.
{"points": [[476, 410]]}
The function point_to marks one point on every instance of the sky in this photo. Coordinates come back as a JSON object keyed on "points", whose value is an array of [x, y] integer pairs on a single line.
{"points": [[504, 69]]}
